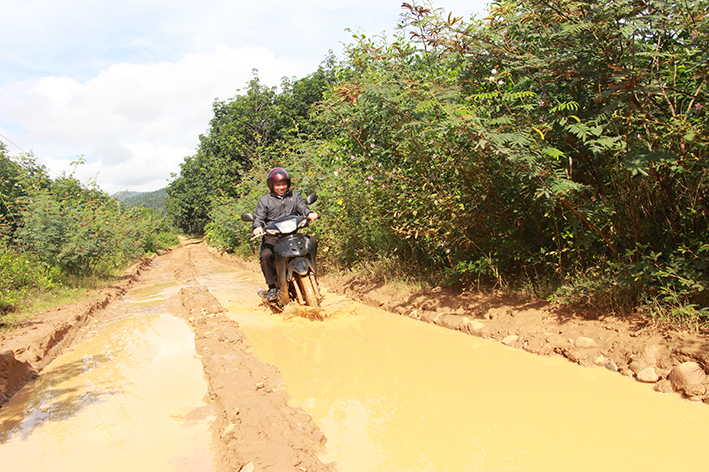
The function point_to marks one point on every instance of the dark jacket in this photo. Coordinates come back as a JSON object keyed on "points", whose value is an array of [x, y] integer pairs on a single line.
{"points": [[271, 207]]}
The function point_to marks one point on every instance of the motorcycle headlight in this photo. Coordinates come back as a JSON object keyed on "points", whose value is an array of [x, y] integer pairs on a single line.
{"points": [[287, 226]]}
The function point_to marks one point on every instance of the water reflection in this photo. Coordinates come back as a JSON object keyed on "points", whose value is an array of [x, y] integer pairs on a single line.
{"points": [[52, 399], [111, 404]]}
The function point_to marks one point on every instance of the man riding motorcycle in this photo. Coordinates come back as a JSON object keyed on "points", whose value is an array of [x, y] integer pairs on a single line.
{"points": [[281, 201]]}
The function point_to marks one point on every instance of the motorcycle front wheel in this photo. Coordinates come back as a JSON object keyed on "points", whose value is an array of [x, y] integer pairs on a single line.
{"points": [[307, 289]]}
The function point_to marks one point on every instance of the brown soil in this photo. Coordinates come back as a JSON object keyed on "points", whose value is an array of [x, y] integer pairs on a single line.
{"points": [[256, 429]]}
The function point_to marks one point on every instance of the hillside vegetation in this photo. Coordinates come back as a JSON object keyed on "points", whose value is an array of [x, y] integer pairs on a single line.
{"points": [[154, 200], [557, 148]]}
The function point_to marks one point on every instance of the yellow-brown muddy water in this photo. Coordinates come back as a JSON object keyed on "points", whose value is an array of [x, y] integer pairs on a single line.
{"points": [[395, 394], [129, 398], [391, 394]]}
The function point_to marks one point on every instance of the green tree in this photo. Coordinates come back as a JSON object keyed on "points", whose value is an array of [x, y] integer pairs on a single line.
{"points": [[251, 130]]}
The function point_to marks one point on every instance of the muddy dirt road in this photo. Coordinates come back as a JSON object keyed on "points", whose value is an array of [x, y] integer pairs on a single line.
{"points": [[252, 424], [179, 350]]}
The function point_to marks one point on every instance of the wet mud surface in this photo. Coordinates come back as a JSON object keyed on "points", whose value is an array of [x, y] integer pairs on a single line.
{"points": [[254, 427]]}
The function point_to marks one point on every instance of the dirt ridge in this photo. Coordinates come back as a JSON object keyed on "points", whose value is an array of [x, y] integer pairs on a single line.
{"points": [[254, 424]]}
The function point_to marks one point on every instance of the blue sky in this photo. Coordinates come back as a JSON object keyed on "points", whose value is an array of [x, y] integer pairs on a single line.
{"points": [[129, 85]]}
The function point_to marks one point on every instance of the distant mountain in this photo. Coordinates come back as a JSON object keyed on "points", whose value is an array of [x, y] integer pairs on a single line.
{"points": [[125, 194], [154, 200]]}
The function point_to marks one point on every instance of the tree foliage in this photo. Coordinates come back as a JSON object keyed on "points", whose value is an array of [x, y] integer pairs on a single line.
{"points": [[58, 228], [250, 130], [561, 140]]}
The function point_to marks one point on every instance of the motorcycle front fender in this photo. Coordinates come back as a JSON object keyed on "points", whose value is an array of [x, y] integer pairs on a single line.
{"points": [[301, 265], [293, 245]]}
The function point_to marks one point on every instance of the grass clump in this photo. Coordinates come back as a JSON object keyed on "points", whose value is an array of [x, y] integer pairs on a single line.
{"points": [[22, 278]]}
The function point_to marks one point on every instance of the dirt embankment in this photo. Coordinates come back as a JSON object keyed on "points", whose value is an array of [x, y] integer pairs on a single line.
{"points": [[634, 347], [254, 425], [27, 349], [255, 428]]}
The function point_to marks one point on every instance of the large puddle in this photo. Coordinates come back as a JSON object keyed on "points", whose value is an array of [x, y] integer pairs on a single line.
{"points": [[128, 398], [395, 394]]}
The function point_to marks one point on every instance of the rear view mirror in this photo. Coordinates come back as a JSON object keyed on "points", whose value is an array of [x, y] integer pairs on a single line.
{"points": [[312, 198], [247, 217]]}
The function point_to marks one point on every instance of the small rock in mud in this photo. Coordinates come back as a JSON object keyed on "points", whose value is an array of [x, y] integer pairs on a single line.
{"points": [[663, 386], [612, 366], [648, 375], [472, 325], [510, 340], [601, 360], [582, 341], [248, 468], [688, 378], [635, 366]]}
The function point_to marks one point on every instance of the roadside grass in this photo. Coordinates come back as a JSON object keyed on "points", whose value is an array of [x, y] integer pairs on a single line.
{"points": [[384, 269], [29, 286], [67, 291], [688, 318], [40, 301]]}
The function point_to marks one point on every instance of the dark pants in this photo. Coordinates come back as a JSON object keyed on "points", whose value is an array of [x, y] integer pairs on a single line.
{"points": [[267, 251]]}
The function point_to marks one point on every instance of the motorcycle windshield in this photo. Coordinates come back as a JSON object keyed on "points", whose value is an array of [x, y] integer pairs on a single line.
{"points": [[286, 226]]}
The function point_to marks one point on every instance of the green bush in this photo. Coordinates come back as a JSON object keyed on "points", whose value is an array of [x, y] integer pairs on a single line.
{"points": [[84, 232], [226, 231], [20, 276]]}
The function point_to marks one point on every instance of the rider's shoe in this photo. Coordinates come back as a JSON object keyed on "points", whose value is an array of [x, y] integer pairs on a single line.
{"points": [[272, 294]]}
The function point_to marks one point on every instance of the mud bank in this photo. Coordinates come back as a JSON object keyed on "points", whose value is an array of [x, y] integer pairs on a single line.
{"points": [[255, 428], [635, 347]]}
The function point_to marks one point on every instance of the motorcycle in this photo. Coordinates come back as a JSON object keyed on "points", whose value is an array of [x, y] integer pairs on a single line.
{"points": [[294, 259]]}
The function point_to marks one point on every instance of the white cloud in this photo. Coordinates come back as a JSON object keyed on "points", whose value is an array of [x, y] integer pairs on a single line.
{"points": [[132, 117], [130, 85]]}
